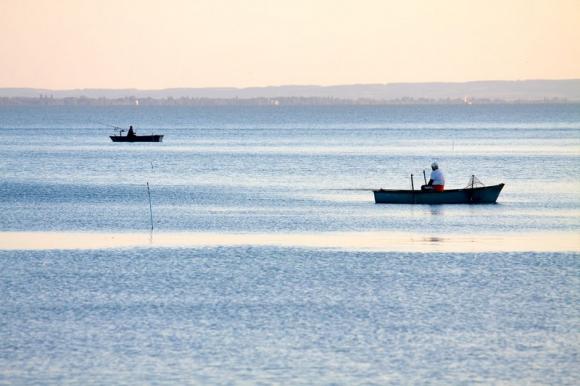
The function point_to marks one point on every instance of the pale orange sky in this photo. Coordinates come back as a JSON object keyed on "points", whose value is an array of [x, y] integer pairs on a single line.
{"points": [[205, 43]]}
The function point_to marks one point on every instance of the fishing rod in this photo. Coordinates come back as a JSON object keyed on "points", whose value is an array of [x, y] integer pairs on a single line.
{"points": [[106, 124], [150, 206], [350, 189]]}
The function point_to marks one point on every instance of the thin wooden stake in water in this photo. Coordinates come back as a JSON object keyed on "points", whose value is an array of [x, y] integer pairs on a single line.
{"points": [[150, 207]]}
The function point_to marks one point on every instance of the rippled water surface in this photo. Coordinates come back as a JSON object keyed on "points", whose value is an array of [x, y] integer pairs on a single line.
{"points": [[270, 263]]}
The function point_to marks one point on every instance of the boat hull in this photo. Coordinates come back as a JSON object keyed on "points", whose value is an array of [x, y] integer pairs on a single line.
{"points": [[137, 138], [482, 195]]}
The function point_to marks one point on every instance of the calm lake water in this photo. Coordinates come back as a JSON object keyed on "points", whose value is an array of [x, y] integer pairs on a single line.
{"points": [[270, 262]]}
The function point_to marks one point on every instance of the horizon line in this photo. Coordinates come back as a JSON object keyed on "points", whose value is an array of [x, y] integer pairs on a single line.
{"points": [[292, 85]]}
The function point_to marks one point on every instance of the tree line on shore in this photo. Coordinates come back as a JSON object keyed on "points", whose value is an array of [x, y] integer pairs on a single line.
{"points": [[44, 100]]}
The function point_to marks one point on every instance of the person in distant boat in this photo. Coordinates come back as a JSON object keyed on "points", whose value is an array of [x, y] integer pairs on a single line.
{"points": [[131, 132], [437, 179]]}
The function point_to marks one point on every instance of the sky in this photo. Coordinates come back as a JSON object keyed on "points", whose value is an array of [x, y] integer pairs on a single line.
{"points": [[154, 44]]}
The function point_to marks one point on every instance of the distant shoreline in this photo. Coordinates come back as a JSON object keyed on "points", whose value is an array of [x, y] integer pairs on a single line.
{"points": [[274, 102], [476, 92]]}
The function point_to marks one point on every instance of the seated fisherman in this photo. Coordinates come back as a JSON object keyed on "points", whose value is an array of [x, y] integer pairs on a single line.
{"points": [[437, 179], [131, 132]]}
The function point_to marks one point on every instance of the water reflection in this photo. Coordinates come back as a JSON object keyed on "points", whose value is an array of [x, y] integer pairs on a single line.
{"points": [[362, 241], [435, 239], [436, 210]]}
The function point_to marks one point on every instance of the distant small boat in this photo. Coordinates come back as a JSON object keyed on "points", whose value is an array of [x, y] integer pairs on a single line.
{"points": [[137, 138], [470, 195], [131, 136]]}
